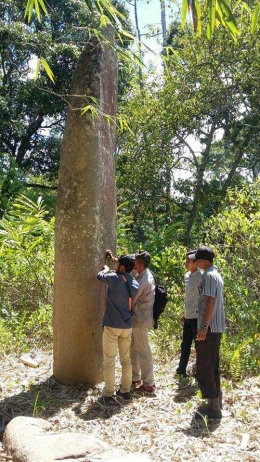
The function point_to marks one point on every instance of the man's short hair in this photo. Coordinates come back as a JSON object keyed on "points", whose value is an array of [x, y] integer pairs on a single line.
{"points": [[127, 261], [191, 255], [205, 253], [144, 257]]}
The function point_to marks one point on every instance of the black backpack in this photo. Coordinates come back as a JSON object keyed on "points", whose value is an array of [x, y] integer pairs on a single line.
{"points": [[160, 301]]}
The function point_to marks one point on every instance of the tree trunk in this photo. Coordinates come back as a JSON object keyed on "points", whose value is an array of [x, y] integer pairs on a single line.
{"points": [[240, 147], [163, 22], [199, 185], [85, 218], [139, 46]]}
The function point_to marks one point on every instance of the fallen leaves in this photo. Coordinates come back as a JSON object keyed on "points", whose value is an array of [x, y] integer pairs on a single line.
{"points": [[161, 425]]}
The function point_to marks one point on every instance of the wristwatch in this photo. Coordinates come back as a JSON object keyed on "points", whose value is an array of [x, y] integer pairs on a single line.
{"points": [[205, 326]]}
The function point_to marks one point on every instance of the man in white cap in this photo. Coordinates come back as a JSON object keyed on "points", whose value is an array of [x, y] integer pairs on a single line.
{"points": [[192, 279]]}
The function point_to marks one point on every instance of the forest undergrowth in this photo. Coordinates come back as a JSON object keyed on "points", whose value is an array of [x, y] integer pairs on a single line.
{"points": [[161, 425]]}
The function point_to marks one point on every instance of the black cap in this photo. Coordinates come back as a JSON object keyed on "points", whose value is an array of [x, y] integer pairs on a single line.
{"points": [[205, 253]]}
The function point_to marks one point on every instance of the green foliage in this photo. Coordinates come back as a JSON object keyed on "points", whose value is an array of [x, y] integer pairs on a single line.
{"points": [[6, 338], [37, 408], [169, 269], [239, 356], [10, 181], [211, 14], [32, 114], [39, 324], [191, 134], [125, 240], [26, 277], [235, 236], [206, 88], [26, 271]]}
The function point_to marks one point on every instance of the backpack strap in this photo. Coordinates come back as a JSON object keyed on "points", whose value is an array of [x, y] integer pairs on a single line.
{"points": [[155, 279], [130, 299]]}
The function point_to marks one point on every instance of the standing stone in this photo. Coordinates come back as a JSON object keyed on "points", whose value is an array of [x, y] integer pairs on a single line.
{"points": [[85, 217]]}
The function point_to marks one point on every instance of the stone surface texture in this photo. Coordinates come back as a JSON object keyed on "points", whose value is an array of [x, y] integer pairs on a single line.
{"points": [[85, 223], [27, 439]]}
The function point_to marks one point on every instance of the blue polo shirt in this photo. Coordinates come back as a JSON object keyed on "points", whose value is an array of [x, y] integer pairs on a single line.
{"points": [[117, 312]]}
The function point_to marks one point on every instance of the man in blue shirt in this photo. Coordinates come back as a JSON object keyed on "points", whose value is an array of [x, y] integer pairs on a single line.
{"points": [[117, 324]]}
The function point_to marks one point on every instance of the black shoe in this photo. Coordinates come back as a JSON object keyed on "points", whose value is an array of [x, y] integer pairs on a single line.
{"points": [[124, 396], [206, 411], [108, 400]]}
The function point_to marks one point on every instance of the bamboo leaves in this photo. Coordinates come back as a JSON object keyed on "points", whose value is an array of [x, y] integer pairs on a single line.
{"points": [[255, 18], [36, 5], [216, 12], [25, 219], [44, 63]]}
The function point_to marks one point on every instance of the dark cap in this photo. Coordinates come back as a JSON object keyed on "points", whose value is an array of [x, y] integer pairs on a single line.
{"points": [[205, 253], [143, 256]]}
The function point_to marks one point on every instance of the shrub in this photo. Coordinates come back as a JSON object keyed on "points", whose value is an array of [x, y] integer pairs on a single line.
{"points": [[26, 270]]}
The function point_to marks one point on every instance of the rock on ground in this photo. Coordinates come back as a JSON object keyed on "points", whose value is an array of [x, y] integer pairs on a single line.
{"points": [[27, 439]]}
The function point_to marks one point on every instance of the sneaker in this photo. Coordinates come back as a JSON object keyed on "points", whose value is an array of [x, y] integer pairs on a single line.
{"points": [[124, 396], [146, 389], [108, 400]]}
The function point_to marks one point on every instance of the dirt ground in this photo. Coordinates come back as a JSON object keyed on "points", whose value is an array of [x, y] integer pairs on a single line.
{"points": [[161, 425]]}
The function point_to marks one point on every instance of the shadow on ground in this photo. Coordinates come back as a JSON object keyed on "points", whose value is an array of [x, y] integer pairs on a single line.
{"points": [[46, 399], [201, 428], [187, 388]]}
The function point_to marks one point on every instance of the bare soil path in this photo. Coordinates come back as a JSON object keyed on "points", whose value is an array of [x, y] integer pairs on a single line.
{"points": [[161, 425]]}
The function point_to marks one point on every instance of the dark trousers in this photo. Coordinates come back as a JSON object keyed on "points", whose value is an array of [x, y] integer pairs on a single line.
{"points": [[188, 335], [207, 365]]}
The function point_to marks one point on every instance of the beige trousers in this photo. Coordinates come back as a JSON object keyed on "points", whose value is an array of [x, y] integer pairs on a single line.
{"points": [[114, 338], [141, 357]]}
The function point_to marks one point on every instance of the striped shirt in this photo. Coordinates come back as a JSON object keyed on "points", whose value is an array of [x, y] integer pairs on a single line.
{"points": [[212, 285]]}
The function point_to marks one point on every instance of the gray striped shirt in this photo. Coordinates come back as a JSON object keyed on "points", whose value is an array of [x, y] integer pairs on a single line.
{"points": [[212, 285]]}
